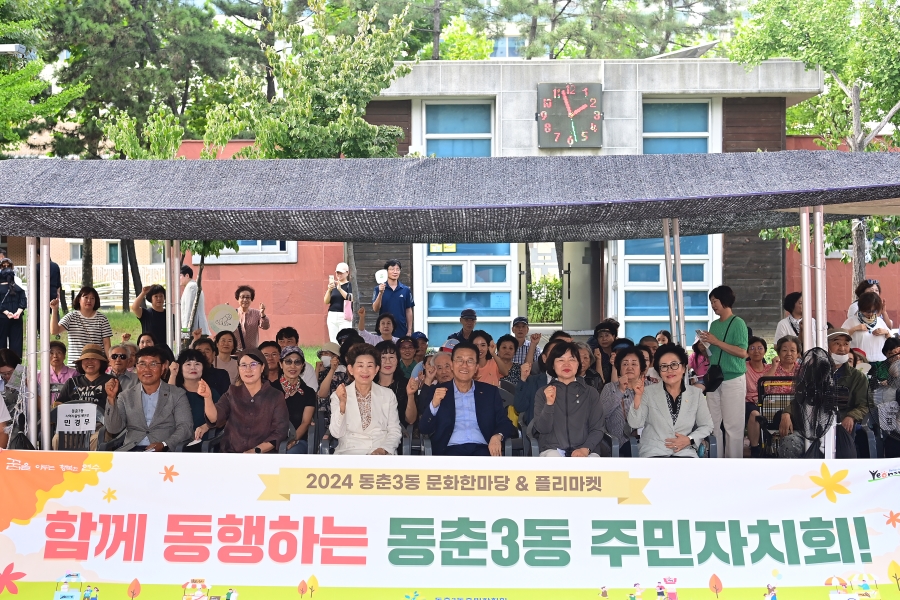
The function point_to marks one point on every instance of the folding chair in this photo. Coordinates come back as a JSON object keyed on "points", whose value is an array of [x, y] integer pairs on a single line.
{"points": [[774, 396], [884, 416]]}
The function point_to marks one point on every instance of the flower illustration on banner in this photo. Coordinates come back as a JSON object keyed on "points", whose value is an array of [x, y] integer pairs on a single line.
{"points": [[893, 519], [830, 484], [170, 473], [110, 495], [8, 578]]}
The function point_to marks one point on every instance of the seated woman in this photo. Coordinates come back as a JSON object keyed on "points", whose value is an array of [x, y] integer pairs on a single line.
{"points": [[756, 368], [364, 415], [59, 371], [617, 398], [784, 365], [299, 397], [568, 416], [675, 418], [510, 371], [186, 373], [255, 411], [390, 377], [587, 368], [487, 372], [226, 342], [88, 387]]}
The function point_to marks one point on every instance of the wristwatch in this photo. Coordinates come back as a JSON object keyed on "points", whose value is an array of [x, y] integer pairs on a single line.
{"points": [[257, 450], [693, 443], [501, 436]]}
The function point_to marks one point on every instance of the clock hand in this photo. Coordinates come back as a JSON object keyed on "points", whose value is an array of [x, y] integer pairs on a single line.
{"points": [[578, 110], [565, 97], [574, 135]]}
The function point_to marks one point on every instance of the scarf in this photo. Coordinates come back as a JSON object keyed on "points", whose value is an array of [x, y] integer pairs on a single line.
{"points": [[869, 323], [795, 324], [290, 388], [674, 405]]}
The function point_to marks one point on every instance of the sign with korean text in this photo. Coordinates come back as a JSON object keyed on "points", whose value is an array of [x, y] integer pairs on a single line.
{"points": [[76, 417], [167, 525]]}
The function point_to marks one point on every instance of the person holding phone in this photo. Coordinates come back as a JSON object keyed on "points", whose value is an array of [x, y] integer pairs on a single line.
{"points": [[339, 290]]}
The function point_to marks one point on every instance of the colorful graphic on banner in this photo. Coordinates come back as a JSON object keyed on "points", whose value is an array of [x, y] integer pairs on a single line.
{"points": [[76, 526]]}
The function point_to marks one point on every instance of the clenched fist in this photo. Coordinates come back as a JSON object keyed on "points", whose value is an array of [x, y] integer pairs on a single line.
{"points": [[439, 395], [204, 391], [550, 394], [535, 338], [341, 392], [524, 371], [112, 390]]}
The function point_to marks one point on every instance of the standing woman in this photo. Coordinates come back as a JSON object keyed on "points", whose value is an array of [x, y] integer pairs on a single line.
{"points": [[339, 290], [865, 286], [225, 345], [868, 330], [12, 304], [84, 324], [252, 320], [728, 349]]}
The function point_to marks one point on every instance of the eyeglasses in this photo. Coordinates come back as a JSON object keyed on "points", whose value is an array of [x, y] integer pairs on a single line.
{"points": [[244, 297], [251, 365], [148, 365], [290, 362], [467, 362], [118, 356], [670, 367], [756, 348]]}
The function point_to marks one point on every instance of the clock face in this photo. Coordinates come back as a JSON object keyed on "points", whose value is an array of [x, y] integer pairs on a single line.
{"points": [[569, 115]]}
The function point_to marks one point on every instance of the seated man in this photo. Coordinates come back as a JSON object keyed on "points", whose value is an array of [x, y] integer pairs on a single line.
{"points": [[156, 416], [464, 417]]}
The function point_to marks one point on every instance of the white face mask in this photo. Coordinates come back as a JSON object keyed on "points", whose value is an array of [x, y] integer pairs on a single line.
{"points": [[326, 361], [840, 359]]}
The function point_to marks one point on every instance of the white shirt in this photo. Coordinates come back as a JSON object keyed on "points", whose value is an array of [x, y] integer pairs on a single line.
{"points": [[865, 341], [187, 303], [784, 328]]}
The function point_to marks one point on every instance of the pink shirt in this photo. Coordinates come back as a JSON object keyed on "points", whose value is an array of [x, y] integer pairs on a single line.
{"points": [[251, 322], [65, 374], [699, 363], [752, 378]]}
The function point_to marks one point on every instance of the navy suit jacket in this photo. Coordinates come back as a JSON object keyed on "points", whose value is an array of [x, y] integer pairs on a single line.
{"points": [[492, 417]]}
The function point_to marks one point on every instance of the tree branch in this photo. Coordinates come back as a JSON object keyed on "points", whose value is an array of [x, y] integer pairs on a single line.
{"points": [[840, 83], [877, 129]]}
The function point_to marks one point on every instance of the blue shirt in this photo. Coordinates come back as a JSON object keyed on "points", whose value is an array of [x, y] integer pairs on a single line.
{"points": [[522, 353], [396, 301], [465, 430], [149, 402]]}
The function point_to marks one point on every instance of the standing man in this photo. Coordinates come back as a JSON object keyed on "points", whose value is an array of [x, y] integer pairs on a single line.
{"points": [[467, 318], [464, 417], [188, 296], [528, 350], [395, 298]]}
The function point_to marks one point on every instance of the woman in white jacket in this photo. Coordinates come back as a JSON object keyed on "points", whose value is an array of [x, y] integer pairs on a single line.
{"points": [[675, 417], [364, 415]]}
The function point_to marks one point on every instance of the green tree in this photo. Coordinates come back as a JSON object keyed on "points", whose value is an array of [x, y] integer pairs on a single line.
{"points": [[136, 54], [856, 45], [459, 41]]}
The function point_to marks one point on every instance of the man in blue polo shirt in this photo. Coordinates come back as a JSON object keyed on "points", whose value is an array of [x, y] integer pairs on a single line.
{"points": [[395, 298]]}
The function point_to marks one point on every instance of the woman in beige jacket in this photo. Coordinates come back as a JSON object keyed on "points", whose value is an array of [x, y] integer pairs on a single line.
{"points": [[364, 415]]}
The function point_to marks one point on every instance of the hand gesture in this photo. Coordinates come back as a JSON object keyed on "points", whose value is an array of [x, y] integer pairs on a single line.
{"points": [[262, 309], [319, 367], [412, 386], [776, 362], [492, 348], [849, 424], [709, 338], [126, 337], [362, 313], [54, 304], [524, 371], [882, 331], [439, 394], [201, 431], [429, 371], [112, 390], [204, 391], [581, 453], [535, 338], [144, 290], [638, 391], [341, 392], [331, 285], [786, 427], [381, 288], [173, 369], [196, 334], [550, 394], [495, 446], [678, 443]]}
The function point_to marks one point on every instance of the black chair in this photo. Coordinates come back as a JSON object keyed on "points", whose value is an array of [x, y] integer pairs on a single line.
{"points": [[104, 445]]}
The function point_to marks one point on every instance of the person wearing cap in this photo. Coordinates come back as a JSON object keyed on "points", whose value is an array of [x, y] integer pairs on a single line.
{"points": [[407, 347], [395, 298], [339, 290], [12, 303], [89, 386], [299, 397], [467, 318], [155, 416], [385, 326], [421, 341], [605, 333], [791, 324], [868, 329], [528, 350]]}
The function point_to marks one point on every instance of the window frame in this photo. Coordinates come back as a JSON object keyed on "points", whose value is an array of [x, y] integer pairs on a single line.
{"points": [[109, 246], [459, 136], [253, 257]]}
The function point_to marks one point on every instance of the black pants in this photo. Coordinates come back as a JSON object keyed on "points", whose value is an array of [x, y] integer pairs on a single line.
{"points": [[468, 450], [11, 334]]}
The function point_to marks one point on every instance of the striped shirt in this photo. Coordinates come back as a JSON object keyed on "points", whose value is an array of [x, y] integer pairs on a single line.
{"points": [[83, 330], [522, 353]]}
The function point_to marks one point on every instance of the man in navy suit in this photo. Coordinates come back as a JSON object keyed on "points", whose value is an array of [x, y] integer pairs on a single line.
{"points": [[464, 417]]}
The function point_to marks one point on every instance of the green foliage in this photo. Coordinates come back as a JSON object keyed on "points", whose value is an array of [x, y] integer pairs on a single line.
{"points": [[161, 135], [545, 300], [325, 83], [883, 235], [459, 41], [136, 55]]}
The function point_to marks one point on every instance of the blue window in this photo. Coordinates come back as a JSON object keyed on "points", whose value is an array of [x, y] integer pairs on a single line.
{"points": [[476, 250], [694, 244], [506, 47], [458, 148], [490, 273], [656, 304], [691, 273], [676, 117], [446, 273], [439, 332], [675, 145], [486, 304], [457, 118], [643, 273]]}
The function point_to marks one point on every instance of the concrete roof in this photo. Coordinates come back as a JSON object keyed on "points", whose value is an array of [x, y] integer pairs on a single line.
{"points": [[432, 200]]}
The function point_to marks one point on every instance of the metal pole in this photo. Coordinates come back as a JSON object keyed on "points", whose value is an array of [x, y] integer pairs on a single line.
{"points": [[167, 255], [806, 287], [44, 311], [821, 304], [669, 283], [176, 293], [679, 285], [31, 338]]}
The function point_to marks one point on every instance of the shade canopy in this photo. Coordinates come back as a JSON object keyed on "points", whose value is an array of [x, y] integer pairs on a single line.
{"points": [[509, 199]]}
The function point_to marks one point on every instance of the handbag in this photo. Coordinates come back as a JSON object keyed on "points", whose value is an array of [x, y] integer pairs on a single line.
{"points": [[348, 307], [714, 375]]}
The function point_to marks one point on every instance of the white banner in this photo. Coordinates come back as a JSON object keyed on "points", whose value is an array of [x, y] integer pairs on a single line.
{"points": [[76, 418]]}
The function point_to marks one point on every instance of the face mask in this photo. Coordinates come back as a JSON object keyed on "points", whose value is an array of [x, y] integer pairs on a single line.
{"points": [[326, 361], [840, 359]]}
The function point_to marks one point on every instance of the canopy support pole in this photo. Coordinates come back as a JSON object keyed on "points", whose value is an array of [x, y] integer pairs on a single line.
{"points": [[167, 255], [31, 337], [805, 283], [819, 249], [679, 287], [44, 312], [176, 294], [669, 282]]}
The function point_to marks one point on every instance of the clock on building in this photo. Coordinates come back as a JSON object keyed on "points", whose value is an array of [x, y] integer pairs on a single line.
{"points": [[569, 115]]}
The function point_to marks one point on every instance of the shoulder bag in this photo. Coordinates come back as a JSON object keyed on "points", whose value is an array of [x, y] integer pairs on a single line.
{"points": [[714, 376]]}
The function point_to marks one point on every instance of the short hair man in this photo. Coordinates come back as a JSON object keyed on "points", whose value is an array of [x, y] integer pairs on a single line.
{"points": [[189, 290], [528, 350], [467, 318], [395, 298], [287, 336], [156, 416], [464, 417]]}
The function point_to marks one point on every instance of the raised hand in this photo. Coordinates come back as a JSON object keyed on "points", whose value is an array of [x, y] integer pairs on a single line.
{"points": [[638, 392], [413, 386], [439, 395], [331, 285], [144, 290], [362, 313], [173, 369], [54, 304], [381, 287], [535, 338], [196, 334], [550, 394], [262, 309], [524, 371], [341, 392], [112, 390], [204, 391]]}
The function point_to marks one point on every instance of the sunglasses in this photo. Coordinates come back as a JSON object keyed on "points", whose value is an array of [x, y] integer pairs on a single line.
{"points": [[291, 362], [872, 281], [119, 356]]}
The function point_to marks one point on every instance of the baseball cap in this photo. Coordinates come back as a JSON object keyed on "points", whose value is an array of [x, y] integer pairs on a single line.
{"points": [[621, 343], [342, 267], [418, 335], [837, 331], [406, 338], [518, 320], [468, 313], [448, 346]]}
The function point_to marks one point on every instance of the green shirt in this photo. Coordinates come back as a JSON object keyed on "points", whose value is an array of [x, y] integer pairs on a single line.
{"points": [[732, 366]]}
